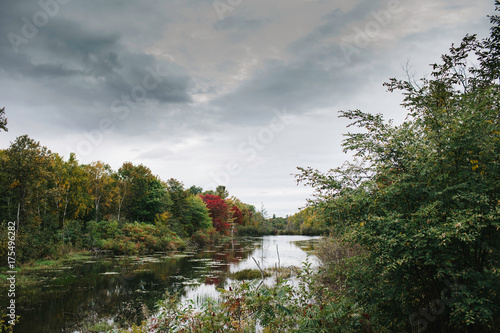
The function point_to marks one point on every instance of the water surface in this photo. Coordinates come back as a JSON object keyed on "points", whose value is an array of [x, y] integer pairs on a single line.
{"points": [[122, 289]]}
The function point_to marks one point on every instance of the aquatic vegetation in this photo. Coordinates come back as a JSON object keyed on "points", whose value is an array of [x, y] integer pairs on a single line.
{"points": [[248, 274], [246, 306]]}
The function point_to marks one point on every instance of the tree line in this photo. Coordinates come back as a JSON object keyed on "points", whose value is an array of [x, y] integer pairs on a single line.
{"points": [[60, 204], [56, 201]]}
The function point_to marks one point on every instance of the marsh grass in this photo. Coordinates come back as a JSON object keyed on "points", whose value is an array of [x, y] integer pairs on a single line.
{"points": [[248, 274], [28, 274], [102, 326]]}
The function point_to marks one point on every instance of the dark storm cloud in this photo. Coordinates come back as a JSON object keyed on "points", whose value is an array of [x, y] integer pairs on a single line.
{"points": [[88, 59], [298, 88]]}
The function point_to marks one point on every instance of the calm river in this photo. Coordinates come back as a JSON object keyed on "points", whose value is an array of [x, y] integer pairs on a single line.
{"points": [[121, 289]]}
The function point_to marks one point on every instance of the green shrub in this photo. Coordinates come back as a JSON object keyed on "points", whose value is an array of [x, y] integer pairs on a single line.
{"points": [[98, 231], [422, 198], [33, 243], [206, 237], [71, 233], [250, 230], [142, 238]]}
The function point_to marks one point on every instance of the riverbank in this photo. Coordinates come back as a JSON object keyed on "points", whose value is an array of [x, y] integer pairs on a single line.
{"points": [[24, 269]]}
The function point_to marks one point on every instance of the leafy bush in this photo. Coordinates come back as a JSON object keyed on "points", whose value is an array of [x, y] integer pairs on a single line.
{"points": [[33, 245], [312, 231], [206, 237], [146, 238], [422, 199], [133, 238], [98, 231], [71, 233]]}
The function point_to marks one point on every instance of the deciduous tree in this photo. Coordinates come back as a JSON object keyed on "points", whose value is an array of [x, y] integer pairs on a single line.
{"points": [[219, 212], [99, 187], [422, 198], [25, 163], [141, 193]]}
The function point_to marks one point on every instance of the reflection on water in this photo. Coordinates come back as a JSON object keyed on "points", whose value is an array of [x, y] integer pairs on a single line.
{"points": [[122, 289], [287, 250], [268, 251]]}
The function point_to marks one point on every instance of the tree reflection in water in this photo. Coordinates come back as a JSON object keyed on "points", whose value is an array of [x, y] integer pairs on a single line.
{"points": [[123, 289]]}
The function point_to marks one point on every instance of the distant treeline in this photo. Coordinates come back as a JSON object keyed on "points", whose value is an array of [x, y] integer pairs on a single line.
{"points": [[61, 205]]}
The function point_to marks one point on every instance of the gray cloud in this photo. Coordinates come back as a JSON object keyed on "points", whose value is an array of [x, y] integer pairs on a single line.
{"points": [[182, 88], [239, 23], [95, 67]]}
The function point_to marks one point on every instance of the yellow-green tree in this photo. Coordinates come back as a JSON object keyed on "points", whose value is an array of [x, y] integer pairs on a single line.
{"points": [[25, 166], [99, 186], [71, 182]]}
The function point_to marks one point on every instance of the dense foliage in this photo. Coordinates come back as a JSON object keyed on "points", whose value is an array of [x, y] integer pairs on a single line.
{"points": [[60, 205], [423, 198], [219, 211], [306, 222]]}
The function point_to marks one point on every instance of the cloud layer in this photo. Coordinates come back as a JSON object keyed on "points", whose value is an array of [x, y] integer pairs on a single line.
{"points": [[212, 92]]}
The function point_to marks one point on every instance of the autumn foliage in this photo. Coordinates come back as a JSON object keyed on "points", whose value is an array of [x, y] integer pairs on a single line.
{"points": [[237, 215], [219, 212]]}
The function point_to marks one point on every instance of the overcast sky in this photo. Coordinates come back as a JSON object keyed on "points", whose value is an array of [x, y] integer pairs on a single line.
{"points": [[231, 92]]}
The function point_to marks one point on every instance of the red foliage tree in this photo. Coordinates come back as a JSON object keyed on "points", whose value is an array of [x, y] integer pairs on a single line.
{"points": [[237, 214], [219, 212]]}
